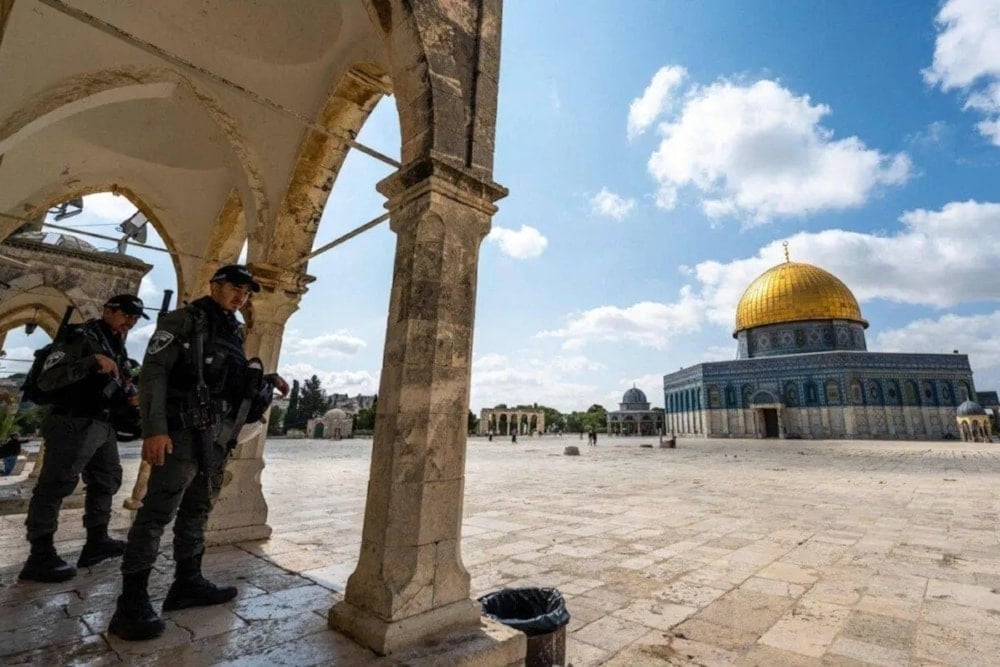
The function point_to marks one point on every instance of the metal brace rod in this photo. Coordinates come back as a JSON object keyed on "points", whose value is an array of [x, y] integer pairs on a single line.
{"points": [[340, 239], [152, 49]]}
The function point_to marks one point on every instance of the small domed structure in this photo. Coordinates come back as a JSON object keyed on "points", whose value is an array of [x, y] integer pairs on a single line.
{"points": [[334, 424], [633, 416], [973, 422], [969, 408], [634, 395], [335, 413]]}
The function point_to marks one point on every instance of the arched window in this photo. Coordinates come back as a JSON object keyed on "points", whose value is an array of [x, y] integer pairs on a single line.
{"points": [[832, 391], [910, 393], [927, 393], [874, 393], [892, 392], [747, 392], [714, 396], [730, 396], [857, 396], [963, 391], [812, 396], [791, 395], [947, 395]]}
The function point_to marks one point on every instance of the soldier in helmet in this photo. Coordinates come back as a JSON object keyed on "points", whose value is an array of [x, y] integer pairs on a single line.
{"points": [[83, 379], [196, 386]]}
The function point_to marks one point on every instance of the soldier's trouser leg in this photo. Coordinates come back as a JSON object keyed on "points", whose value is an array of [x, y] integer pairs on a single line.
{"points": [[189, 528], [167, 485], [103, 477], [70, 443]]}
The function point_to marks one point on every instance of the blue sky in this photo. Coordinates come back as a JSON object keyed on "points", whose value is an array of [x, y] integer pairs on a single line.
{"points": [[657, 155]]}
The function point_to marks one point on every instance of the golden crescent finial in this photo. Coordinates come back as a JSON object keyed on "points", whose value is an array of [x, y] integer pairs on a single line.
{"points": [[785, 244]]}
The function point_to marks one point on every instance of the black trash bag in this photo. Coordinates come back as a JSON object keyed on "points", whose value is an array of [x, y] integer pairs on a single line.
{"points": [[533, 611]]}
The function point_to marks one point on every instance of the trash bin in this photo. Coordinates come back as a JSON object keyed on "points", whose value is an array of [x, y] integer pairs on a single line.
{"points": [[540, 613]]}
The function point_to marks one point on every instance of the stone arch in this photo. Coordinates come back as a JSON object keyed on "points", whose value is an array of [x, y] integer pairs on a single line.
{"points": [[42, 315], [426, 75], [48, 196], [94, 90], [350, 103], [764, 397]]}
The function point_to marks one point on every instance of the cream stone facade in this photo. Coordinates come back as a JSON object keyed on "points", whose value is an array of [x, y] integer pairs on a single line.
{"points": [[333, 425], [503, 421], [227, 124]]}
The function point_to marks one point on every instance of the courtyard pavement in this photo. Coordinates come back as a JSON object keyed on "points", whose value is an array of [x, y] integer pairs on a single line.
{"points": [[717, 552]]}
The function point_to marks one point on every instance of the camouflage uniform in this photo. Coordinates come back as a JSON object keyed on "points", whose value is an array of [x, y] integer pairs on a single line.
{"points": [[167, 394]]}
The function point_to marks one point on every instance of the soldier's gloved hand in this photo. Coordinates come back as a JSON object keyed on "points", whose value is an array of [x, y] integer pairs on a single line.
{"points": [[106, 365], [278, 382], [155, 449]]}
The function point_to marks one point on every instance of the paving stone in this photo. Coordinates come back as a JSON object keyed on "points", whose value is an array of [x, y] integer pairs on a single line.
{"points": [[866, 527]]}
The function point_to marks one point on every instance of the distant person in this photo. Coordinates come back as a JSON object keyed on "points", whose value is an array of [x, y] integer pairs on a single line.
{"points": [[592, 438], [489, 436], [513, 437], [9, 452]]}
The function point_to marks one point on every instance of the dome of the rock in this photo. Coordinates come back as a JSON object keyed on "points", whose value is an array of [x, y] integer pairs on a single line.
{"points": [[796, 292]]}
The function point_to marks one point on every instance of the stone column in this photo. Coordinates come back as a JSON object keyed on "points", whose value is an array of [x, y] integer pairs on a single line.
{"points": [[410, 581], [241, 512]]}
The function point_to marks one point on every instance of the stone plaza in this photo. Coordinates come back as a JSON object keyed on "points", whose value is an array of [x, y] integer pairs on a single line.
{"points": [[717, 552]]}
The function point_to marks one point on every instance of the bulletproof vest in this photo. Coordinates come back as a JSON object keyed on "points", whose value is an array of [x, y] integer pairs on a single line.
{"points": [[97, 391], [225, 361]]}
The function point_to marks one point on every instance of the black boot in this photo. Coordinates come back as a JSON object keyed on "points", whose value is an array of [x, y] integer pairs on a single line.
{"points": [[44, 564], [190, 589], [134, 617], [99, 547]]}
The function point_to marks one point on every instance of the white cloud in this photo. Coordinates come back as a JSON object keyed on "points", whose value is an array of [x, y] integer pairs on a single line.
{"points": [[654, 100], [341, 382], [148, 291], [108, 206], [337, 344], [975, 335], [610, 204], [525, 243], [647, 323], [939, 258], [759, 152], [967, 58], [18, 359], [526, 380], [138, 338]]}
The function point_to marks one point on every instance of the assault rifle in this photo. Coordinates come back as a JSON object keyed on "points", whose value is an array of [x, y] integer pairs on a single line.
{"points": [[203, 408]]}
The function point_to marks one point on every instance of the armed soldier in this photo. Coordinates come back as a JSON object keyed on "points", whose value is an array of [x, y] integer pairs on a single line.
{"points": [[83, 379], [197, 391]]}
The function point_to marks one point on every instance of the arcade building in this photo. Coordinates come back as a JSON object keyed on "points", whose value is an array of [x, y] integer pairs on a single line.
{"points": [[803, 370]]}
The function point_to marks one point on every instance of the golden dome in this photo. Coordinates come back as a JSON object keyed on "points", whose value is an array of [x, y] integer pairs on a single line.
{"points": [[793, 292]]}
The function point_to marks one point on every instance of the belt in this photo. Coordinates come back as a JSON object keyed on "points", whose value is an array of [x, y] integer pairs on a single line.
{"points": [[79, 413]]}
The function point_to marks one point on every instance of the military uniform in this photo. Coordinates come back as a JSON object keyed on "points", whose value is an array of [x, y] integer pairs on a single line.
{"points": [[79, 440], [189, 481], [202, 416]]}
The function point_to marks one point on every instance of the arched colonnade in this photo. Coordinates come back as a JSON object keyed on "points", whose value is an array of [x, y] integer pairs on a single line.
{"points": [[224, 137]]}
